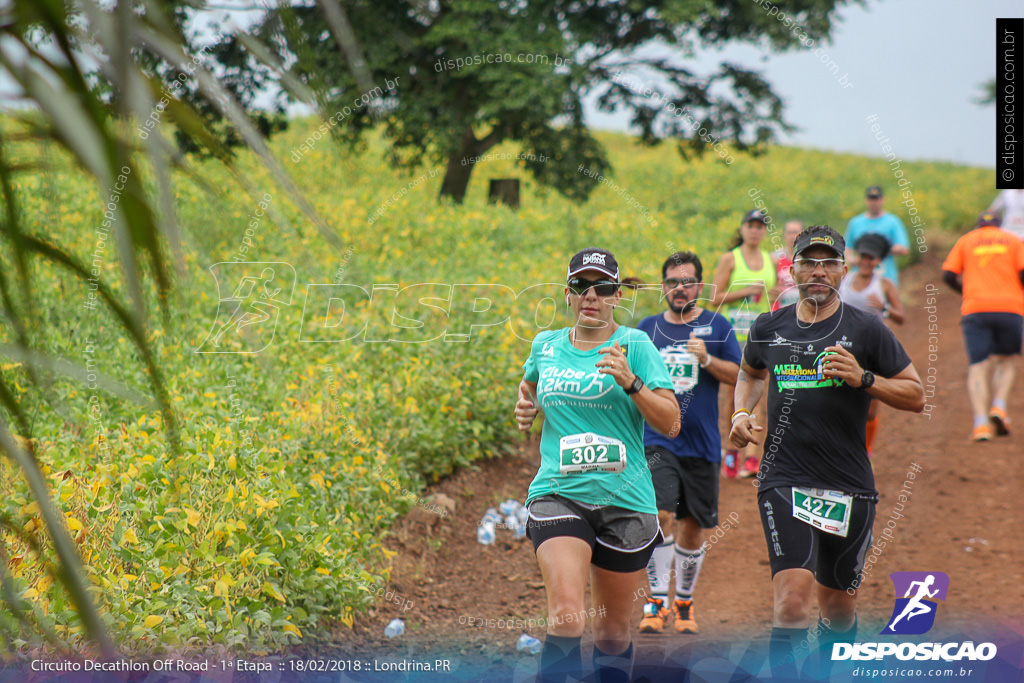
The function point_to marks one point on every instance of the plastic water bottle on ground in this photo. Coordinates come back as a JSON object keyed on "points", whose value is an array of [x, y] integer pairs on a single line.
{"points": [[528, 643], [486, 533], [523, 514], [395, 628], [517, 528], [492, 516], [510, 507]]}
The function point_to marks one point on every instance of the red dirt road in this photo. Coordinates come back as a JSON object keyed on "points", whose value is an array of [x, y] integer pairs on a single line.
{"points": [[960, 517]]}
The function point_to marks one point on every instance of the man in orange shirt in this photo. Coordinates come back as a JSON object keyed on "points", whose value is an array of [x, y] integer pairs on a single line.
{"points": [[987, 267]]}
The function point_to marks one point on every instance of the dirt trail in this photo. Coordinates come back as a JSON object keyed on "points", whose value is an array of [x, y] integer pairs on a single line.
{"points": [[959, 518]]}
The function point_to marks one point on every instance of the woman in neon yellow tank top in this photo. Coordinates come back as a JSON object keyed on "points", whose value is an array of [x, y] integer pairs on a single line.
{"points": [[743, 278]]}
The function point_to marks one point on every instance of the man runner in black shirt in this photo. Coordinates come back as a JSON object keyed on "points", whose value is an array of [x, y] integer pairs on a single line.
{"points": [[823, 362]]}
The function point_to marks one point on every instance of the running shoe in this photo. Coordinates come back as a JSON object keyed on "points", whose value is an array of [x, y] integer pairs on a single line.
{"points": [[750, 467], [982, 433], [999, 420], [654, 616], [685, 621], [730, 464]]}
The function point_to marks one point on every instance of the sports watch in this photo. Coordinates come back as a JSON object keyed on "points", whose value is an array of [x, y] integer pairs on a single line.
{"points": [[867, 380], [636, 386]]}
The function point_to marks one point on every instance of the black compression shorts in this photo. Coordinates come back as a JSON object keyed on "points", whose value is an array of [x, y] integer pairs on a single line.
{"points": [[793, 544]]}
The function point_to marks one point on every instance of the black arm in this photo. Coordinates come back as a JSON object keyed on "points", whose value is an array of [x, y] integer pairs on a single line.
{"points": [[951, 279]]}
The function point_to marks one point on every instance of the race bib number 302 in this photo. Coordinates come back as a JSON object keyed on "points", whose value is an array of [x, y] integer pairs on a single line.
{"points": [[823, 509], [588, 451]]}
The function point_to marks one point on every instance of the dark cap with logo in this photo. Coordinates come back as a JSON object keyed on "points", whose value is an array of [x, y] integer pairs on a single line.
{"points": [[873, 192], [756, 215], [819, 236], [593, 258], [989, 219], [874, 244]]}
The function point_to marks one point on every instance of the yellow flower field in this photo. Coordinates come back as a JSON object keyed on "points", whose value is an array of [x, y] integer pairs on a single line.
{"points": [[298, 455]]}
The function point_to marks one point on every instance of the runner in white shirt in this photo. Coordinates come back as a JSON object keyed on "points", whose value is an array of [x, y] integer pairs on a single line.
{"points": [[1010, 203]]}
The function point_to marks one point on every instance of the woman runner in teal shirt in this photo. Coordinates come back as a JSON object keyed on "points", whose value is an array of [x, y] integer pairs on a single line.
{"points": [[592, 502]]}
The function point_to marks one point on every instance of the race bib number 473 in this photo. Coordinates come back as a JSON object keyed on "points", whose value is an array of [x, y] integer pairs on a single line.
{"points": [[589, 451], [682, 368]]}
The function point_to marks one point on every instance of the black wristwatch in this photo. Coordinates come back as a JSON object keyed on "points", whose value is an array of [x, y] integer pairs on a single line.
{"points": [[867, 380], [636, 386]]}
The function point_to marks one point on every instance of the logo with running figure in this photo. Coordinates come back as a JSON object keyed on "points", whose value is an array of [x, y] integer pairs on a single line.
{"points": [[914, 613], [251, 297]]}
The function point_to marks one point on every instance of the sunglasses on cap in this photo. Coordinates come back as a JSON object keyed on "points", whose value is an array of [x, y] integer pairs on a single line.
{"points": [[579, 285]]}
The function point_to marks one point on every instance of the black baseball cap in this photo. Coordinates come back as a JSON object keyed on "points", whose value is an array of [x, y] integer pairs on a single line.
{"points": [[873, 244], [819, 236], [756, 215], [593, 258], [873, 192], [989, 219]]}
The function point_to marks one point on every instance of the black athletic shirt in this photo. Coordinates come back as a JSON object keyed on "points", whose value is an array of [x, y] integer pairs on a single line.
{"points": [[816, 425]]}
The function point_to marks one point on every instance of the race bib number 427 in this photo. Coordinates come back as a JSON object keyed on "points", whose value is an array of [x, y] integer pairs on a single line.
{"points": [[588, 451], [823, 509]]}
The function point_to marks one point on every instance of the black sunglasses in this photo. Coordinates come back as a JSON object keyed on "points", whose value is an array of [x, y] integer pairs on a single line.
{"points": [[580, 285], [673, 282]]}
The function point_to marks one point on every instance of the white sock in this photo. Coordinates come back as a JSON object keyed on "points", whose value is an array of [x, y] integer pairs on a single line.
{"points": [[688, 564], [659, 568]]}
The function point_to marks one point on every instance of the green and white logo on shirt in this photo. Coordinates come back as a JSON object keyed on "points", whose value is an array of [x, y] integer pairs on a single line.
{"points": [[796, 376]]}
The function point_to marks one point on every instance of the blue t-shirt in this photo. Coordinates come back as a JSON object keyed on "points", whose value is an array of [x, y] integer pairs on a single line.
{"points": [[698, 402], [577, 399], [888, 226]]}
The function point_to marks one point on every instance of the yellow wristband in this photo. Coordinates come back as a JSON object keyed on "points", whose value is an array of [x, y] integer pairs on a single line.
{"points": [[741, 411]]}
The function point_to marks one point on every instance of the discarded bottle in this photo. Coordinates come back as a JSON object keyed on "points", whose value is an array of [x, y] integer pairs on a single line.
{"points": [[395, 627], [485, 533], [510, 507], [492, 515], [517, 528], [528, 643], [523, 514]]}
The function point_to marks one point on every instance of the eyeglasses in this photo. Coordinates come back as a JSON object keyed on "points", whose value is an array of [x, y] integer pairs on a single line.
{"points": [[829, 264], [672, 282], [580, 286]]}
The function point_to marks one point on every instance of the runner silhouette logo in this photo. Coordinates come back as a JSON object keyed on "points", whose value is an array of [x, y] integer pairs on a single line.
{"points": [[251, 296], [914, 613]]}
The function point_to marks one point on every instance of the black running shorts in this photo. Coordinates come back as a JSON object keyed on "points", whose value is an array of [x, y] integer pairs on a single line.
{"points": [[793, 544], [687, 487], [621, 540]]}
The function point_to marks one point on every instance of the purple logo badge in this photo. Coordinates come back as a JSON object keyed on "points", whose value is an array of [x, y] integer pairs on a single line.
{"points": [[917, 596]]}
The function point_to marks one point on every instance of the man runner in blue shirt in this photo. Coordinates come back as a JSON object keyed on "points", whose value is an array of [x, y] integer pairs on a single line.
{"points": [[879, 221], [699, 350]]}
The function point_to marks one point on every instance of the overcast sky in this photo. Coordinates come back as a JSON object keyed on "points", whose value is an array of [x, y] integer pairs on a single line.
{"points": [[917, 64]]}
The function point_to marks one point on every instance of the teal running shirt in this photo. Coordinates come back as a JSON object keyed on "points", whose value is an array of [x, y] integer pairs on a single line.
{"points": [[577, 399]]}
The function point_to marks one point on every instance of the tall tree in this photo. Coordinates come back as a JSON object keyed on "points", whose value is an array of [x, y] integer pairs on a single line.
{"points": [[472, 74]]}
